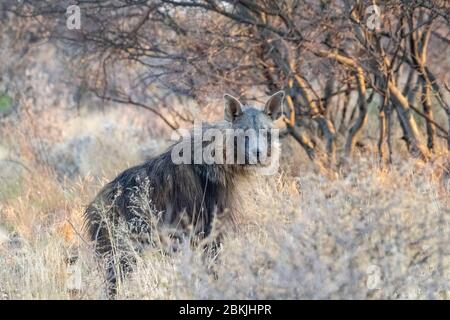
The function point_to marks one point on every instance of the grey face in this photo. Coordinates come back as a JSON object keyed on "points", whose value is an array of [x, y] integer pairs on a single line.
{"points": [[252, 128], [253, 131]]}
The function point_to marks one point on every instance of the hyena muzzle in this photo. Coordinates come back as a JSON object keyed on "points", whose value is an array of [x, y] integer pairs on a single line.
{"points": [[186, 198]]}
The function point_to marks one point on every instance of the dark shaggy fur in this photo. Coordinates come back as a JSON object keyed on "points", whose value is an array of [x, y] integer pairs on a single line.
{"points": [[186, 195]]}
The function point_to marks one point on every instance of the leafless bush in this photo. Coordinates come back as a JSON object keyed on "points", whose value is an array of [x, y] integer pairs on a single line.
{"points": [[146, 53]]}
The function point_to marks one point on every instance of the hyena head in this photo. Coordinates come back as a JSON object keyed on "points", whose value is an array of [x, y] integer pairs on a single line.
{"points": [[254, 135]]}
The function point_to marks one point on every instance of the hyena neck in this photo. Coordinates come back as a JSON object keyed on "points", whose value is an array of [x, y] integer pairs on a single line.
{"points": [[220, 189], [225, 175], [220, 172]]}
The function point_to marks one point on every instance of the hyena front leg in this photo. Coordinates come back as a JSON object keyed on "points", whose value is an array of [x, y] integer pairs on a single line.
{"points": [[118, 266], [128, 242]]}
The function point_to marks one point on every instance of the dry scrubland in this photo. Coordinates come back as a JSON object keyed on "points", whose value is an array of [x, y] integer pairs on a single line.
{"points": [[366, 232]]}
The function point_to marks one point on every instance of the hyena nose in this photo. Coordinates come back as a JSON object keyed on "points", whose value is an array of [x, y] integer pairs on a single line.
{"points": [[262, 155], [258, 155]]}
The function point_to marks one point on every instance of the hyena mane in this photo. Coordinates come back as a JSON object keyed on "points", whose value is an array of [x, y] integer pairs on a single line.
{"points": [[187, 196], [183, 195]]}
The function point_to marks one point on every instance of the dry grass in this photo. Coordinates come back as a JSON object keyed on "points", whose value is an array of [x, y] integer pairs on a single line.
{"points": [[369, 232]]}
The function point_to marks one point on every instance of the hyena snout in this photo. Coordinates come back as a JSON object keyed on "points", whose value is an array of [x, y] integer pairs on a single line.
{"points": [[258, 152]]}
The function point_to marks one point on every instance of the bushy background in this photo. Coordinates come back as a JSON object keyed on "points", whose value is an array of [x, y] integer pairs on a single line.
{"points": [[364, 231]]}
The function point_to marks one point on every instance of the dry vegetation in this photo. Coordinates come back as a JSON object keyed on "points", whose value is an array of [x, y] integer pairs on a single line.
{"points": [[305, 235], [360, 207]]}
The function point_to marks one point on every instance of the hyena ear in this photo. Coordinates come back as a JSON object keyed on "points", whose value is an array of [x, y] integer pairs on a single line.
{"points": [[233, 108], [274, 106]]}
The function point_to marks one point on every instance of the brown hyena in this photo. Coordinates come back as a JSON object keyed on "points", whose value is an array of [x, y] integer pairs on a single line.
{"points": [[184, 196]]}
